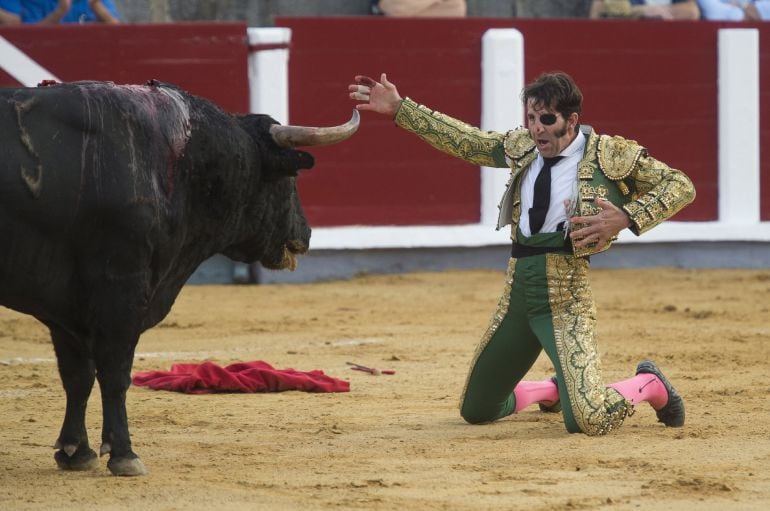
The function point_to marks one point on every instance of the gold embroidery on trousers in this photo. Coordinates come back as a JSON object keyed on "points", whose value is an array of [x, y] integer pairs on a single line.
{"points": [[596, 409]]}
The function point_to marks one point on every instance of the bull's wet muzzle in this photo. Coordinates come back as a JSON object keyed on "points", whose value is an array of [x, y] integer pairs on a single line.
{"points": [[288, 260]]}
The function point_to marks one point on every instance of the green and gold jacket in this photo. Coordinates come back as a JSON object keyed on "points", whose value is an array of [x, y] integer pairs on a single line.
{"points": [[613, 168]]}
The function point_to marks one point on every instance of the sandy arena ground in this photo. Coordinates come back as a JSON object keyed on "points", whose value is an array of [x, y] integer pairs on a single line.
{"points": [[397, 442]]}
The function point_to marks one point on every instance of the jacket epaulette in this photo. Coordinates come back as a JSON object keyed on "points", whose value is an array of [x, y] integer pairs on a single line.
{"points": [[618, 156], [518, 144]]}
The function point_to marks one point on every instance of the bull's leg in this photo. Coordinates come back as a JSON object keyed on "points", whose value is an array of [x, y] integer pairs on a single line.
{"points": [[113, 370], [77, 375]]}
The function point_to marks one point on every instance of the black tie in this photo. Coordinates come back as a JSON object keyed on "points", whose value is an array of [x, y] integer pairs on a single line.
{"points": [[542, 197]]}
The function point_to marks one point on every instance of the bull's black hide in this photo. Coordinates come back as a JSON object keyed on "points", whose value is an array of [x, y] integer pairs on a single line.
{"points": [[110, 197]]}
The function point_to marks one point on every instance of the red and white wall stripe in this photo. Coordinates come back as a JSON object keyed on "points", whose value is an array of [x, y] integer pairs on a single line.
{"points": [[692, 93]]}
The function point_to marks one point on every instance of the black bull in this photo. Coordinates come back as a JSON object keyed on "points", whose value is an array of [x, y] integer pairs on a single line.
{"points": [[110, 197]]}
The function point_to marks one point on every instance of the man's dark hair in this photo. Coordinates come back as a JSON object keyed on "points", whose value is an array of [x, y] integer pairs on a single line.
{"points": [[555, 90]]}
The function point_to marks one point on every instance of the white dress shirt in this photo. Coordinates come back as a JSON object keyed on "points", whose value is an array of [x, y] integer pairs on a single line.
{"points": [[563, 187]]}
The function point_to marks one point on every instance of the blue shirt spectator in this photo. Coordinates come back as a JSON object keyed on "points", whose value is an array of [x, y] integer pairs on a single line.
{"points": [[735, 10], [10, 12], [68, 11], [660, 9]]}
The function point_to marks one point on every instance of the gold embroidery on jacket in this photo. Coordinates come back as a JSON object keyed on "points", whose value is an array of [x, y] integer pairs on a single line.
{"points": [[517, 174], [618, 156], [518, 144], [589, 163], [589, 192], [652, 191], [660, 192], [450, 135]]}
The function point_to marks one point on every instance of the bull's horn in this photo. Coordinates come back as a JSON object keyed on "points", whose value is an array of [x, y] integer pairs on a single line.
{"points": [[297, 136]]}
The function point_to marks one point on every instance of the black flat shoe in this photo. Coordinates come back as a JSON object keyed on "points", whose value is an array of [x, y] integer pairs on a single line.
{"points": [[672, 415], [556, 406]]}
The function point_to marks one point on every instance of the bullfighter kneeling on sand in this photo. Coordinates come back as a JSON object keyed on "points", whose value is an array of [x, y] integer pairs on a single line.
{"points": [[570, 192]]}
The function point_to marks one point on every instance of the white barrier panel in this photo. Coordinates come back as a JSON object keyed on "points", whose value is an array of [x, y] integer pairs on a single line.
{"points": [[502, 79], [738, 126], [269, 72], [17, 64]]}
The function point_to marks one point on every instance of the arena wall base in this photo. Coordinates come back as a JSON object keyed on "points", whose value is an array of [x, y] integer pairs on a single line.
{"points": [[699, 254], [326, 265]]}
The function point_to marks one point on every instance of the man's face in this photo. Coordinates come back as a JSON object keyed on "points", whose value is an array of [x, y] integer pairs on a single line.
{"points": [[551, 139]]}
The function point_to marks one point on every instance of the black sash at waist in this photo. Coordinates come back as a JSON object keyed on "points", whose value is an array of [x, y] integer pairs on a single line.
{"points": [[518, 250]]}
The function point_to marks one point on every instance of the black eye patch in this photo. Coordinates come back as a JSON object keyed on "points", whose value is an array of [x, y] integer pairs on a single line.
{"points": [[548, 119]]}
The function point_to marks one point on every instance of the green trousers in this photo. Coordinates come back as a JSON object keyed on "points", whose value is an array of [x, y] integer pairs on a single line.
{"points": [[547, 304]]}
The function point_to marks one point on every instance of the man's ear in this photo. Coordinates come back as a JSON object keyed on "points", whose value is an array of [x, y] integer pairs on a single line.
{"points": [[573, 120]]}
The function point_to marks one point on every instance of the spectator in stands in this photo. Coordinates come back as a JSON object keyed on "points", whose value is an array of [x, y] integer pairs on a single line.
{"points": [[10, 12], [649, 9], [735, 10], [420, 8], [65, 11]]}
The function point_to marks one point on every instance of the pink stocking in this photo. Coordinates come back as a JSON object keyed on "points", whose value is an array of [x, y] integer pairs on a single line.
{"points": [[528, 392], [643, 387]]}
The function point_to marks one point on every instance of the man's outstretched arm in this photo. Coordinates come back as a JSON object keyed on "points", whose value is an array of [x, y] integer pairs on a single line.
{"points": [[441, 131]]}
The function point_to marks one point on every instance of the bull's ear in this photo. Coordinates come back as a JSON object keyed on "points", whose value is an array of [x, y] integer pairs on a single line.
{"points": [[257, 126], [278, 162]]}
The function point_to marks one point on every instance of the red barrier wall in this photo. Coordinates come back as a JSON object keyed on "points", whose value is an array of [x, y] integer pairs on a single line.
{"points": [[652, 81], [207, 59]]}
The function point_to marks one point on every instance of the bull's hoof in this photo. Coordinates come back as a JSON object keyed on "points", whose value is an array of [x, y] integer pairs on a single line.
{"points": [[127, 467], [81, 459]]}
